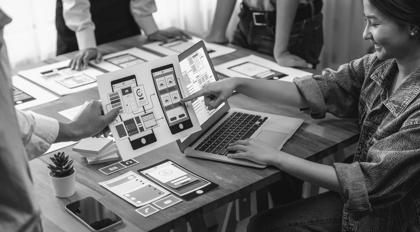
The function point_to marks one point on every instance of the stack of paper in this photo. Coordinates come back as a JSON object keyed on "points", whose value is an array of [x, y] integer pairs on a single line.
{"points": [[97, 150]]}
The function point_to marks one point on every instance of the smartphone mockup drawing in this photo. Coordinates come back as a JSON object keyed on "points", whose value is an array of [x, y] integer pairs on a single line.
{"points": [[177, 179], [169, 94], [93, 214], [126, 96]]}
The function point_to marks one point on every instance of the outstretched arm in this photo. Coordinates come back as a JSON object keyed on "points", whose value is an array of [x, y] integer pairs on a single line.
{"points": [[223, 13], [278, 92], [39, 132]]}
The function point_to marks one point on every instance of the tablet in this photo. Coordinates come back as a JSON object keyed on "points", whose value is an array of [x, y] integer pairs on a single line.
{"points": [[177, 179]]}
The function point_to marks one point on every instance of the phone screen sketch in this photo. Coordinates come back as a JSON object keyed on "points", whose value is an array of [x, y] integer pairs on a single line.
{"points": [[19, 96], [169, 95], [257, 71], [125, 60], [135, 122]]}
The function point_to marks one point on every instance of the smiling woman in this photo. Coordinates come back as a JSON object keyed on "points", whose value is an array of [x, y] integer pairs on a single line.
{"points": [[380, 190]]}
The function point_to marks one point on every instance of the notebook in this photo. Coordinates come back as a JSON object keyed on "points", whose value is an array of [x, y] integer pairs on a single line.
{"points": [[224, 125], [92, 146]]}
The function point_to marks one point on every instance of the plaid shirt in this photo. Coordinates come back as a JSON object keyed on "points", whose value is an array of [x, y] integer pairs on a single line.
{"points": [[380, 188]]}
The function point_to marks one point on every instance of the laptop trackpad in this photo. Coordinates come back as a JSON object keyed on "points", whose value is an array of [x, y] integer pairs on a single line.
{"points": [[273, 138]]}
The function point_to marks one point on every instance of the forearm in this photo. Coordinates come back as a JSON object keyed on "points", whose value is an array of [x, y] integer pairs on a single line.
{"points": [[279, 92], [77, 17], [315, 173], [285, 15], [148, 24], [223, 13], [67, 132], [142, 11]]}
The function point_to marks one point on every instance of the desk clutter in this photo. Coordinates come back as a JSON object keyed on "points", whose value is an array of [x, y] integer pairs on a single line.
{"points": [[148, 90], [59, 79], [97, 150], [154, 188]]}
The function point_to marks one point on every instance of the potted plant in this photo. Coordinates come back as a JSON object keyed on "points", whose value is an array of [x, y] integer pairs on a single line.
{"points": [[62, 175]]}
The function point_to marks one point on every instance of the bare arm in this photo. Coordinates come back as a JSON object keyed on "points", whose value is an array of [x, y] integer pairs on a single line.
{"points": [[279, 92], [254, 150], [315, 173], [224, 9], [286, 12]]}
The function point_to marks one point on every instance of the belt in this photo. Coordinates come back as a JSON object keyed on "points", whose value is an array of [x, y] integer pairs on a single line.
{"points": [[268, 18]]}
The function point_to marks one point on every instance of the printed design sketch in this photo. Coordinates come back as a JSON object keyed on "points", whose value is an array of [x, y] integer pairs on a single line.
{"points": [[136, 120], [123, 59], [60, 79], [27, 94], [151, 112], [177, 46]]}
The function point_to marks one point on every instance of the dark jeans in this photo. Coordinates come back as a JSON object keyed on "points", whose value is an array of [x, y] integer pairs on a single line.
{"points": [[320, 213], [287, 190], [306, 37]]}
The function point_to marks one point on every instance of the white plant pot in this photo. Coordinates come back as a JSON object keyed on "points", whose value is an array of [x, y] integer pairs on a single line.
{"points": [[64, 186]]}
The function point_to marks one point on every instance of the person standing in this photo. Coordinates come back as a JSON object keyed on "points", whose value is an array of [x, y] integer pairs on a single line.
{"points": [[289, 30], [82, 24], [25, 135]]}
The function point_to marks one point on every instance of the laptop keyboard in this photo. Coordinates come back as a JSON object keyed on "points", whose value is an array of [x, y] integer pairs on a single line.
{"points": [[236, 127]]}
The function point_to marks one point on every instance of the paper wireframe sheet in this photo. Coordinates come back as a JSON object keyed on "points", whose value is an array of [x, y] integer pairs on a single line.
{"points": [[124, 58], [61, 79], [259, 68], [152, 115], [176, 47], [26, 94]]}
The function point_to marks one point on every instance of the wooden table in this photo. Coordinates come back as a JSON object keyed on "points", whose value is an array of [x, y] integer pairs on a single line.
{"points": [[314, 140]]}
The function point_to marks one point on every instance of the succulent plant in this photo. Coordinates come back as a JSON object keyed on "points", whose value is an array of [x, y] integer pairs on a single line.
{"points": [[61, 165]]}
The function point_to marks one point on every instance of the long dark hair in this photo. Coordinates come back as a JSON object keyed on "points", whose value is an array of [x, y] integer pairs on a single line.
{"points": [[401, 11]]}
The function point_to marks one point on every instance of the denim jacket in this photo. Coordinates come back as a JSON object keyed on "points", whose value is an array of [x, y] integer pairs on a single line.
{"points": [[380, 189]]}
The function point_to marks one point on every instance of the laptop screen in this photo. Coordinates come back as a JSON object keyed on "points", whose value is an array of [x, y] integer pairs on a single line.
{"points": [[196, 72]]}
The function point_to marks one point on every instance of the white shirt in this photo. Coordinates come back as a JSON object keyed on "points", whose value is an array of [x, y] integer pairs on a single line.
{"points": [[77, 16], [38, 132], [18, 208]]}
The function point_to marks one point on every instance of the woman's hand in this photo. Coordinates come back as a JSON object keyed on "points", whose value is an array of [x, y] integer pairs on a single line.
{"points": [[81, 59], [255, 151], [215, 93]]}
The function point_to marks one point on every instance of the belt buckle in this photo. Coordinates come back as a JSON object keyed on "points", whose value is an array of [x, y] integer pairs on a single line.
{"points": [[256, 17]]}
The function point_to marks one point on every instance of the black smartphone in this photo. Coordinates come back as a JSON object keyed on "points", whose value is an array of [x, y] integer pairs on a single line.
{"points": [[93, 214], [138, 128], [169, 94]]}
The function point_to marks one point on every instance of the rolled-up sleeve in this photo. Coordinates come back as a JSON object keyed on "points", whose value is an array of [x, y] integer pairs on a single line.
{"points": [[38, 132], [336, 92], [77, 16], [142, 11], [393, 172]]}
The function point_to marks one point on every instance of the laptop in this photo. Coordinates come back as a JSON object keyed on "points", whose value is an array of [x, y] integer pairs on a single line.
{"points": [[224, 125]]}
